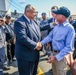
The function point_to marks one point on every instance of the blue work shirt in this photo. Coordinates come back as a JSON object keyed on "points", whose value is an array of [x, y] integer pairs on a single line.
{"points": [[44, 22], [62, 37]]}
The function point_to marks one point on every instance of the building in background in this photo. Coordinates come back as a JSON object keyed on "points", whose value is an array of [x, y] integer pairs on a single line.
{"points": [[4, 7], [74, 16]]}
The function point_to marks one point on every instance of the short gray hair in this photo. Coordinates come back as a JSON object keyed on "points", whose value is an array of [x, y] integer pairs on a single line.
{"points": [[29, 7]]}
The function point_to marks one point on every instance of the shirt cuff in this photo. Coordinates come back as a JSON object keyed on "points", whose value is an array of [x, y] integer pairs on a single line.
{"points": [[42, 42], [51, 25], [58, 57], [35, 47]]}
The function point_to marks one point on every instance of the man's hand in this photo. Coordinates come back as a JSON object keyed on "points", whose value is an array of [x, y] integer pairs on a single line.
{"points": [[39, 46], [69, 60], [71, 63], [6, 43], [54, 23], [51, 59], [75, 35]]}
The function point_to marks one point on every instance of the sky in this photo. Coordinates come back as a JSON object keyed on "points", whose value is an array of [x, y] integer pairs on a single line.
{"points": [[43, 5]]}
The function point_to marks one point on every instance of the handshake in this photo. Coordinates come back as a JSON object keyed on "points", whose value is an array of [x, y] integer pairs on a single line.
{"points": [[39, 46]]}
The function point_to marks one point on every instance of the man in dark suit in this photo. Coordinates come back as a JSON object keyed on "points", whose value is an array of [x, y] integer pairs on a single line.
{"points": [[27, 47], [51, 20], [53, 16]]}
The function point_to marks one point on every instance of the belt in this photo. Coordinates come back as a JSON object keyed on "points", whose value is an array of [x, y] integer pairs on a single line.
{"points": [[57, 51]]}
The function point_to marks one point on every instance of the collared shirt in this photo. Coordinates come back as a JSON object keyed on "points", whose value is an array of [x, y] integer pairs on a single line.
{"points": [[54, 20], [44, 22], [27, 18], [62, 37], [31, 22]]}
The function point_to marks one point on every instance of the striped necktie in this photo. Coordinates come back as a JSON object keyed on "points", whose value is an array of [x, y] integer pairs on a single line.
{"points": [[32, 25]]}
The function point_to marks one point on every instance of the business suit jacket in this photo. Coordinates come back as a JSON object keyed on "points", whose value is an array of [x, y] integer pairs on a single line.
{"points": [[26, 39], [50, 21]]}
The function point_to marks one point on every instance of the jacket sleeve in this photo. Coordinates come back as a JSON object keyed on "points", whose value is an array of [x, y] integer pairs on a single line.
{"points": [[9, 33], [21, 35], [45, 27]]}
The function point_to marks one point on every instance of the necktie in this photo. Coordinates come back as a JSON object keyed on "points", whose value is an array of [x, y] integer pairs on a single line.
{"points": [[32, 25], [53, 19], [31, 22]]}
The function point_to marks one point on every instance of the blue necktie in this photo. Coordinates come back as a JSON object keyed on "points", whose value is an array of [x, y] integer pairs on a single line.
{"points": [[31, 22]]}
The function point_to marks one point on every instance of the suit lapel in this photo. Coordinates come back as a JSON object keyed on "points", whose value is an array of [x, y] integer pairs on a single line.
{"points": [[36, 31], [26, 21], [36, 27]]}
